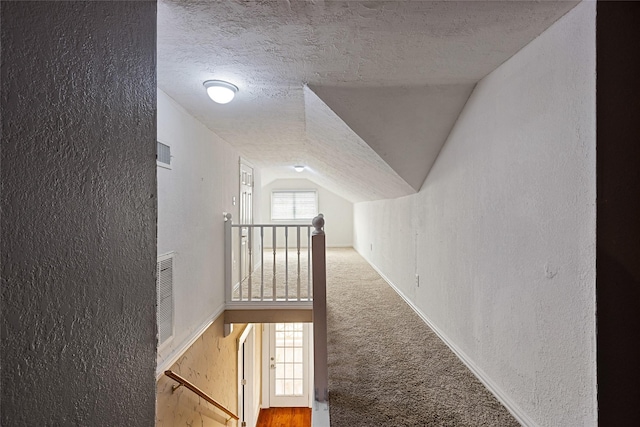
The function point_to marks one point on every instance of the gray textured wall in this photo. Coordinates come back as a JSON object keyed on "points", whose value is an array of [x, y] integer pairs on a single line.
{"points": [[78, 213]]}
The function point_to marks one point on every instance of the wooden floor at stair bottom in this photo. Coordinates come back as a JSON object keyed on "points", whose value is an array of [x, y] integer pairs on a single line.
{"points": [[284, 417]]}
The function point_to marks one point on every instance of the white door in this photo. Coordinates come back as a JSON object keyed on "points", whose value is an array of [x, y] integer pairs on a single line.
{"points": [[289, 365], [246, 217], [248, 378]]}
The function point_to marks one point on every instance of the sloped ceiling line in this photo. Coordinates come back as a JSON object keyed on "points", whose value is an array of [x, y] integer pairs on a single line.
{"points": [[405, 125], [354, 164]]}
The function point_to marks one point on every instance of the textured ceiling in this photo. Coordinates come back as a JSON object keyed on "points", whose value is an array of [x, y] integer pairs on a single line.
{"points": [[363, 92]]}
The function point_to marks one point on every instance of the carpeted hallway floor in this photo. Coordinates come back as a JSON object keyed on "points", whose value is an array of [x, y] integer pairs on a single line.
{"points": [[386, 366]]}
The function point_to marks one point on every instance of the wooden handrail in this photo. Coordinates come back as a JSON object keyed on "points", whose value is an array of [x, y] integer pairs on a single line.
{"points": [[199, 392]]}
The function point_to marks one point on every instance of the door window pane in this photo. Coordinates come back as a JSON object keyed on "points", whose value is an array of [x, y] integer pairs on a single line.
{"points": [[288, 359]]}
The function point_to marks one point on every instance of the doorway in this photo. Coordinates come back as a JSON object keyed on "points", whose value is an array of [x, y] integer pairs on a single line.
{"points": [[289, 368]]}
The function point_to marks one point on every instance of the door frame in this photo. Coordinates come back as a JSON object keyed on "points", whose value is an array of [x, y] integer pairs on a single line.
{"points": [[244, 254], [266, 363], [248, 370]]}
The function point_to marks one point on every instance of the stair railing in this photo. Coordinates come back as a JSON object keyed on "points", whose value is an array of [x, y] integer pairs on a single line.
{"points": [[184, 382], [290, 284], [316, 288]]}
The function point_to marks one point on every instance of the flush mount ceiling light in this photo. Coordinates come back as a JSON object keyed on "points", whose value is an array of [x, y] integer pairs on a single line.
{"points": [[299, 168], [219, 91]]}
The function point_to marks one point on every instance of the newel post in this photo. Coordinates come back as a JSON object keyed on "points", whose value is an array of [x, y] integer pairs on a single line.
{"points": [[228, 266], [321, 370]]}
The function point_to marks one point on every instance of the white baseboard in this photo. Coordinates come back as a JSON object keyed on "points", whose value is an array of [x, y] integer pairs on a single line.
{"points": [[179, 351], [502, 397], [320, 415]]}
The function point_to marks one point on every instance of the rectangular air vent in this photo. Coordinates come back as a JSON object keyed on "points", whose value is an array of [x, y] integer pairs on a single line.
{"points": [[165, 297], [163, 155]]}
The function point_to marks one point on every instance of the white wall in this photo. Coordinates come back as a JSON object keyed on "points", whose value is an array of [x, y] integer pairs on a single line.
{"points": [[338, 212], [502, 233], [191, 199]]}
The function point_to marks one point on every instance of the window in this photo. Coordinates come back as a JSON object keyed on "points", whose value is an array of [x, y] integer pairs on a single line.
{"points": [[294, 205]]}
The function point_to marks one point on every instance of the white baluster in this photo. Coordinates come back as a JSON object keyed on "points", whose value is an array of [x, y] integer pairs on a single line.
{"points": [[261, 263], [298, 240], [228, 255], [250, 242], [274, 260], [309, 292], [240, 262], [286, 263]]}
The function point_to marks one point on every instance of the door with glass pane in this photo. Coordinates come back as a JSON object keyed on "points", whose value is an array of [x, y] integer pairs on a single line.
{"points": [[289, 365]]}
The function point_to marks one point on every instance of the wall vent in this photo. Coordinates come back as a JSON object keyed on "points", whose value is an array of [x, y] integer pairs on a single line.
{"points": [[165, 297], [163, 154]]}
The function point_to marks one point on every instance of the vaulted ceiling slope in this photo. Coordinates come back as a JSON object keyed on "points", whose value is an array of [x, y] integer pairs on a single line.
{"points": [[406, 126], [363, 92], [341, 161]]}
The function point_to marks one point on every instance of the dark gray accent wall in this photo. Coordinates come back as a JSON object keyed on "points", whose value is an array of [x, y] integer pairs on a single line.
{"points": [[78, 220], [618, 213]]}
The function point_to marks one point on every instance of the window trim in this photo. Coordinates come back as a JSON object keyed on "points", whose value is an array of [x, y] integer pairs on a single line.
{"points": [[295, 190]]}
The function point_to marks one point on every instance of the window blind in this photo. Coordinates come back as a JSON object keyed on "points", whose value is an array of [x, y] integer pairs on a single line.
{"points": [[293, 205]]}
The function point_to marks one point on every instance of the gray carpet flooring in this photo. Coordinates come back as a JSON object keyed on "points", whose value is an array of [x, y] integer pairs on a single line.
{"points": [[386, 366], [290, 273]]}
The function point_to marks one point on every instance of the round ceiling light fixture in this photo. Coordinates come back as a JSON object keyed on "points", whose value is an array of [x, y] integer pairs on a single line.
{"points": [[219, 91], [299, 168]]}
